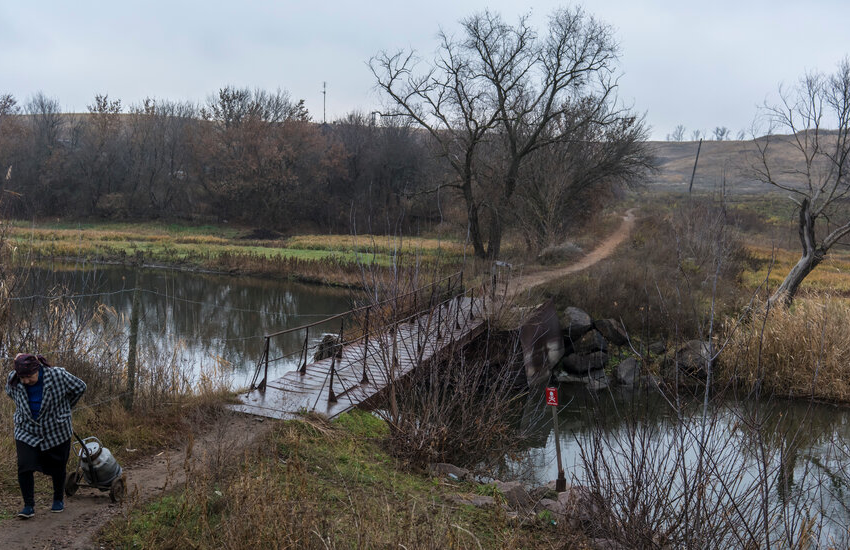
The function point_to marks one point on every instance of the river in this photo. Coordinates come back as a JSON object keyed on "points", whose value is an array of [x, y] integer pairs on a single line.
{"points": [[206, 318]]}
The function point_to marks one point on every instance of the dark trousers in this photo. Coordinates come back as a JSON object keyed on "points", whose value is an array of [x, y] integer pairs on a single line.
{"points": [[51, 462]]}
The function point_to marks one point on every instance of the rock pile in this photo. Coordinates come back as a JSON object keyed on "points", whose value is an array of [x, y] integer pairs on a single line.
{"points": [[589, 345]]}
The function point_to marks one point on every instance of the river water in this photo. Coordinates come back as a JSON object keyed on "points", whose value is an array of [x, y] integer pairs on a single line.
{"points": [[798, 450], [207, 318], [218, 319]]}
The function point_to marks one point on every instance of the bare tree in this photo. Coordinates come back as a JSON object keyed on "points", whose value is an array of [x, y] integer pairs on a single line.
{"points": [[696, 135], [721, 133], [678, 133], [567, 183], [500, 93], [823, 162]]}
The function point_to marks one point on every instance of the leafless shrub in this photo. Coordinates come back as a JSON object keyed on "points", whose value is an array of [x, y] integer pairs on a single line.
{"points": [[735, 468]]}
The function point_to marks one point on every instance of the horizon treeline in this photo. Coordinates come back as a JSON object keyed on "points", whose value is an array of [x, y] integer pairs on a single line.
{"points": [[255, 158], [244, 156]]}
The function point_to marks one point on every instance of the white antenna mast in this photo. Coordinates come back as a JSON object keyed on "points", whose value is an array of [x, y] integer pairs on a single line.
{"points": [[324, 102]]}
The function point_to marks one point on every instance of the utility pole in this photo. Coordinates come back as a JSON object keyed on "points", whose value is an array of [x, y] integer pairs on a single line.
{"points": [[134, 339], [694, 173], [324, 102]]}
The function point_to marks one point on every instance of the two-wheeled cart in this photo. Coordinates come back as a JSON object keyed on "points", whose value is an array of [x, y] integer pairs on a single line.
{"points": [[96, 468]]}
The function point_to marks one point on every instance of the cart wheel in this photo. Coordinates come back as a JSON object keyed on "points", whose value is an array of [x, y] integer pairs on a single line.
{"points": [[72, 483], [117, 490]]}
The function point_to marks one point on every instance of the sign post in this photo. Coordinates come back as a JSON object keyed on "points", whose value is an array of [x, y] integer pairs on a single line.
{"points": [[552, 401]]}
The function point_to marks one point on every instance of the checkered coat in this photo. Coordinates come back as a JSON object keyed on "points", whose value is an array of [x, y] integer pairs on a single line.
{"points": [[62, 390]]}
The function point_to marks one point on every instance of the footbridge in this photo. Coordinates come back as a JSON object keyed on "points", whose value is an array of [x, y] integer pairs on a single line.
{"points": [[376, 344]]}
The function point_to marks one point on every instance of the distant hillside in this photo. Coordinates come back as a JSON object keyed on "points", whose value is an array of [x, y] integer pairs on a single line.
{"points": [[676, 162]]}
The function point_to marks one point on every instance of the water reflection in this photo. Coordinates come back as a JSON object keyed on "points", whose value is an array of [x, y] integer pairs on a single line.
{"points": [[797, 450], [208, 318]]}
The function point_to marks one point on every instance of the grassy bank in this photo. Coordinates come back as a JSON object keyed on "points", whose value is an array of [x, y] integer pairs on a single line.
{"points": [[335, 259], [310, 484]]}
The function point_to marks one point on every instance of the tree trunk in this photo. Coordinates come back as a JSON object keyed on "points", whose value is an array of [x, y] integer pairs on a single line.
{"points": [[811, 257], [472, 212], [494, 244]]}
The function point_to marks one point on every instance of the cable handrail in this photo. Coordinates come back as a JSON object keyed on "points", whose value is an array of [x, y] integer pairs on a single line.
{"points": [[362, 308], [265, 360]]}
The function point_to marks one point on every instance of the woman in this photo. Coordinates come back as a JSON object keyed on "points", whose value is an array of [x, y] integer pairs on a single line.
{"points": [[43, 397]]}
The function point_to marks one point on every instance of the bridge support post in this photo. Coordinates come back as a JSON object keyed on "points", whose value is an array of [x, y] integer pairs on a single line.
{"points": [[365, 379], [303, 368], [262, 385], [394, 334], [338, 351]]}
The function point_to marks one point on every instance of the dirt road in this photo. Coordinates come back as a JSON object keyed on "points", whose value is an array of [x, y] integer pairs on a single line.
{"points": [[89, 510], [524, 283]]}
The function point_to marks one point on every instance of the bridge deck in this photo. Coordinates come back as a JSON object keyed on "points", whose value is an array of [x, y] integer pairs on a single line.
{"points": [[416, 342]]}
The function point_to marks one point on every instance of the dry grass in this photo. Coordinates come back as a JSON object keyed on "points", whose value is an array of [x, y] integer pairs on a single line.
{"points": [[660, 282], [333, 259], [769, 264], [376, 243], [800, 351], [316, 485]]}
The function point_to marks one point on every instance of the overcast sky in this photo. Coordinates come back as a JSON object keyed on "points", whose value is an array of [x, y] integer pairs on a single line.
{"points": [[700, 64]]}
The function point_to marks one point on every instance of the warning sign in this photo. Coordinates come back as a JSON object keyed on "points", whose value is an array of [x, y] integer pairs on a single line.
{"points": [[552, 396]]}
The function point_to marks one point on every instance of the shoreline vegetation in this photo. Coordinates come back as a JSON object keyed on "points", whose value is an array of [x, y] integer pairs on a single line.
{"points": [[324, 259], [690, 268]]}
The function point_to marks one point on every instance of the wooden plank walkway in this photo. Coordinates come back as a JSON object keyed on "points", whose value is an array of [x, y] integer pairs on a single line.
{"points": [[416, 342]]}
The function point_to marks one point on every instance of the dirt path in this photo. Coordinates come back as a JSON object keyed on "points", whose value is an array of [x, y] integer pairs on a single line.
{"points": [[89, 510], [524, 283]]}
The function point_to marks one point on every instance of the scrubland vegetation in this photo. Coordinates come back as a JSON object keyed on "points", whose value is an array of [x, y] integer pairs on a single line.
{"points": [[310, 484]]}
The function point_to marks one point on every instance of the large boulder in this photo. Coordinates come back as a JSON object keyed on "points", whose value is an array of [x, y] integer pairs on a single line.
{"points": [[597, 380], [581, 507], [590, 342], [657, 348], [553, 506], [515, 494], [576, 323], [692, 358], [612, 330], [583, 364], [627, 372]]}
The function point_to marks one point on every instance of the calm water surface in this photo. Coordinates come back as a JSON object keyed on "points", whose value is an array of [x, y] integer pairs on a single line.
{"points": [[206, 319], [806, 445]]}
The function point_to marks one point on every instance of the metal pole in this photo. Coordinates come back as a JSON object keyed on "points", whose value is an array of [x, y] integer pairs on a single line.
{"points": [[561, 482], [262, 385], [303, 369], [395, 349], [131, 353], [365, 379], [331, 394]]}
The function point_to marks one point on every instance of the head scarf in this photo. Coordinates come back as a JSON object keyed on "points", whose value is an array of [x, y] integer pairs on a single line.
{"points": [[27, 364]]}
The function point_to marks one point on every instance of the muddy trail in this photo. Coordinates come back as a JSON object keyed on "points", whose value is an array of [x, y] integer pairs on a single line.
{"points": [[524, 283], [89, 509]]}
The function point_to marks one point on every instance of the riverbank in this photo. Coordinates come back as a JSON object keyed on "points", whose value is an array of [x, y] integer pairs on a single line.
{"points": [[314, 484], [325, 259]]}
